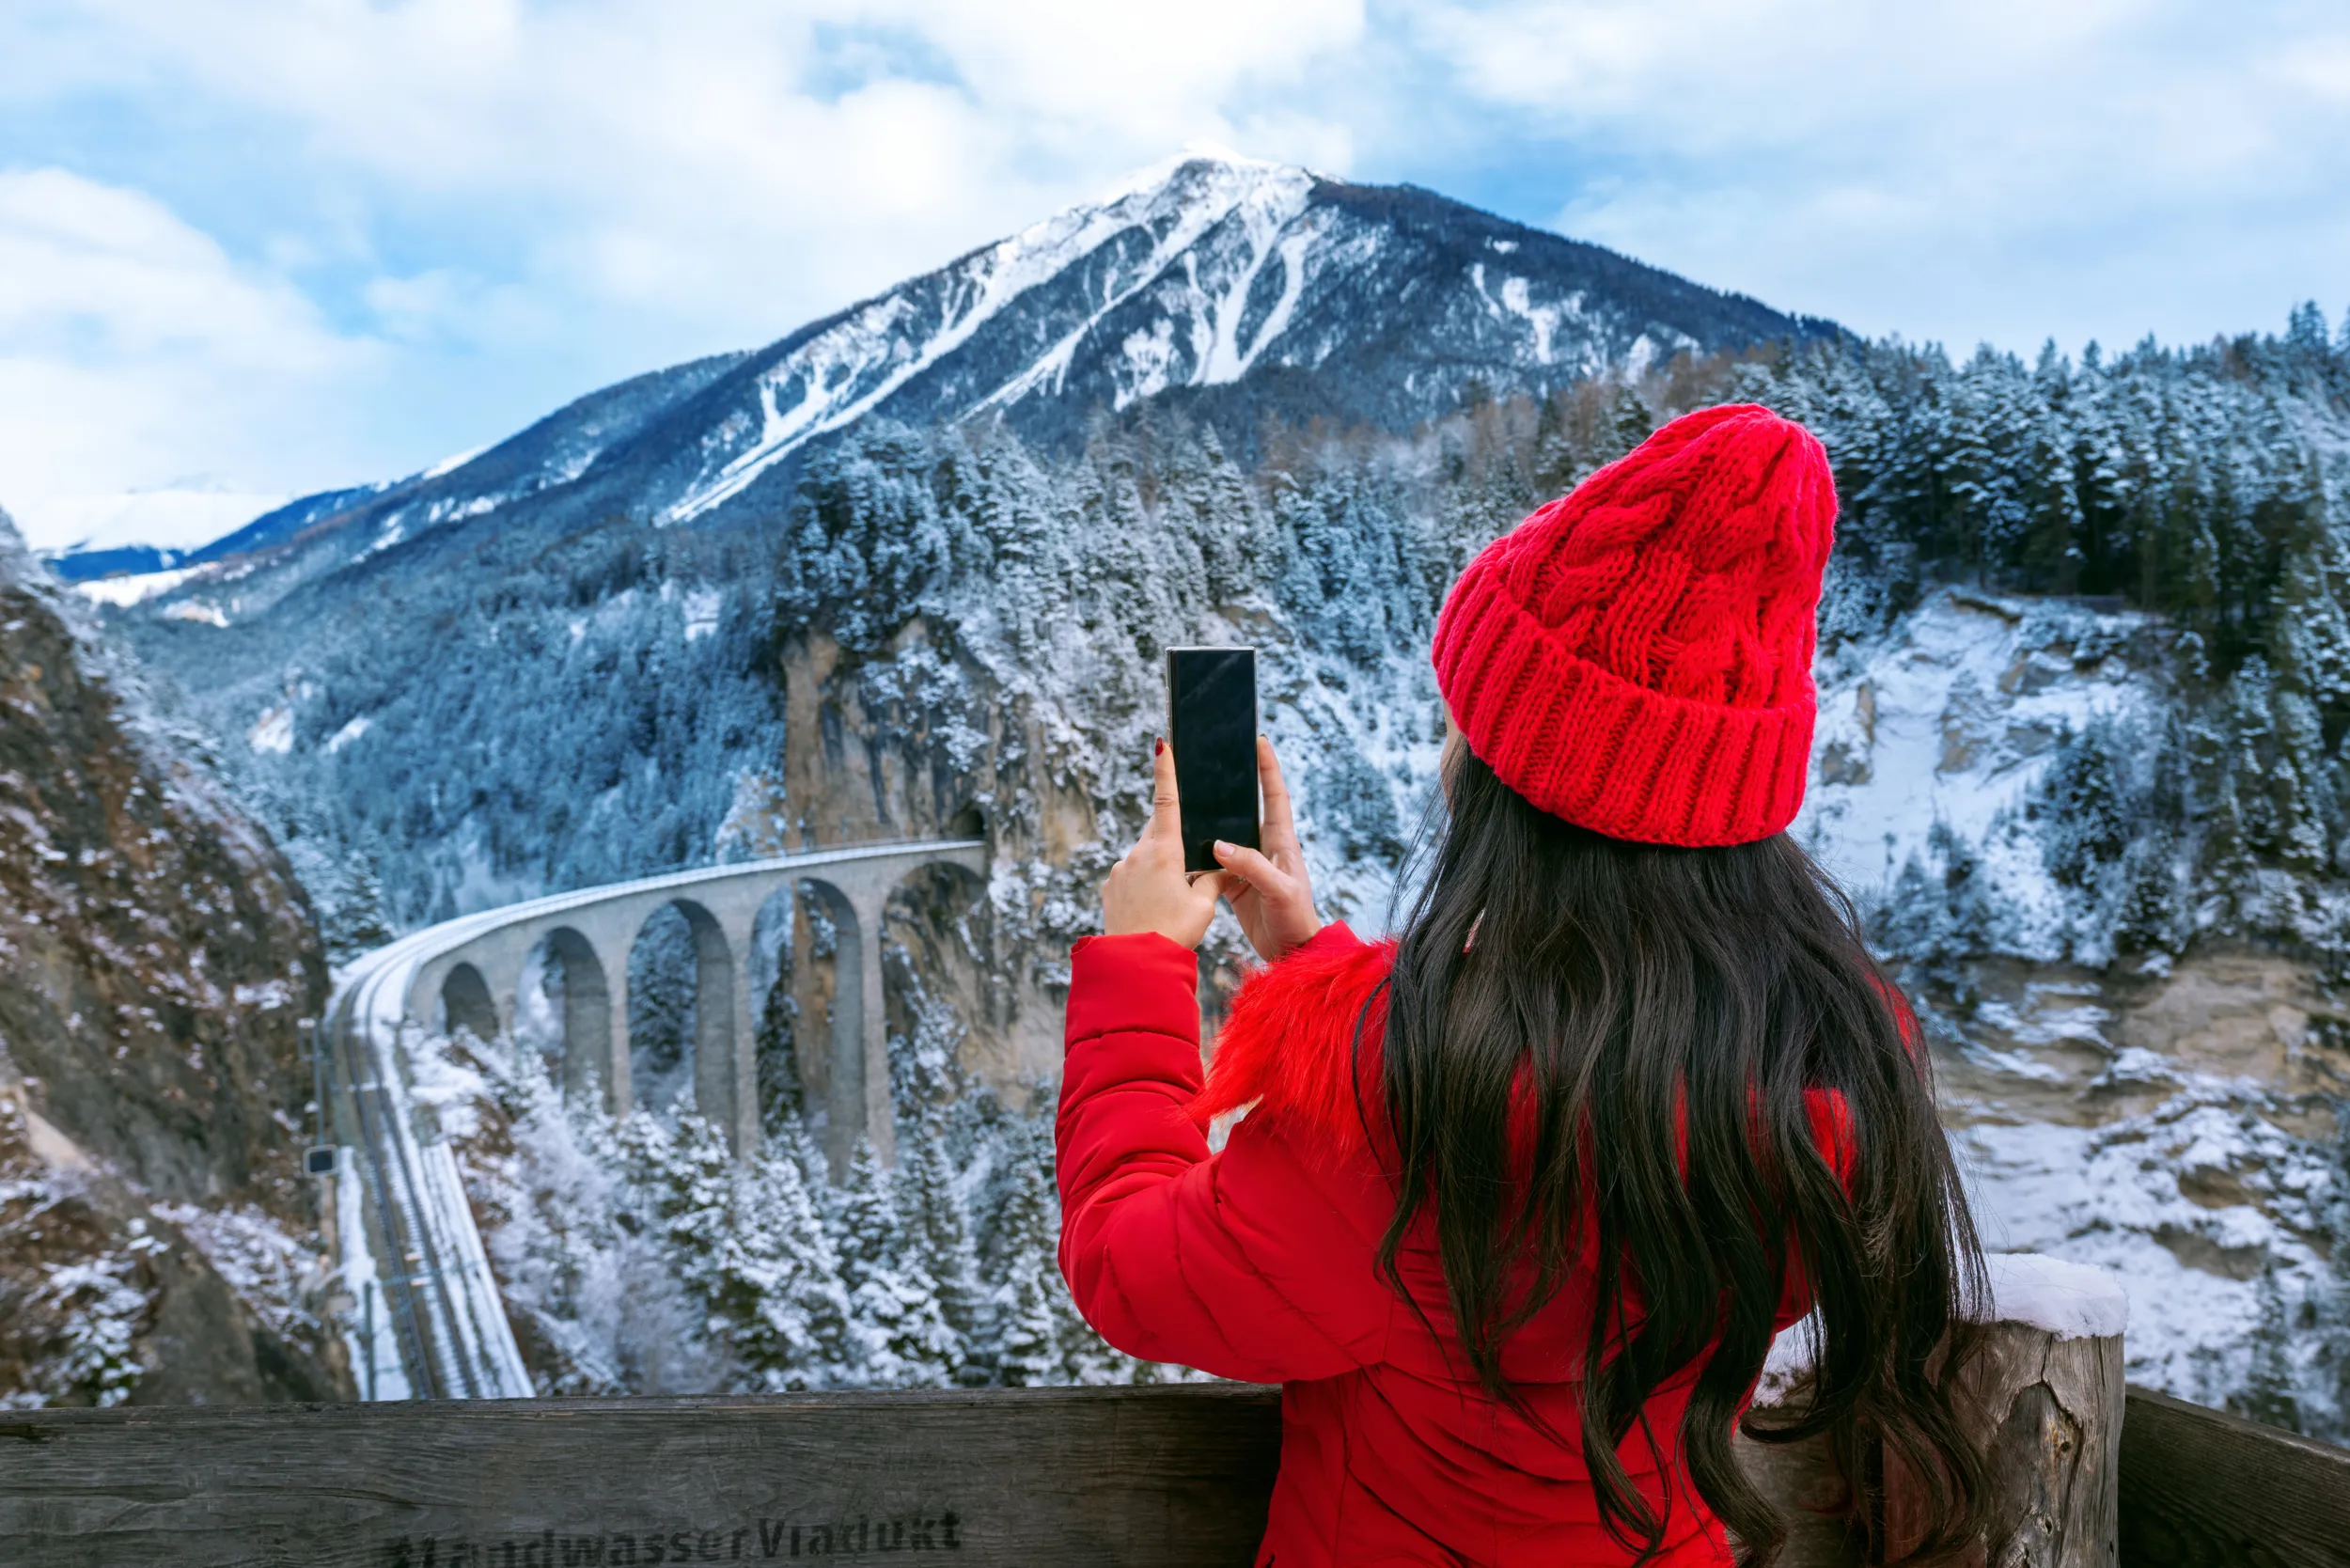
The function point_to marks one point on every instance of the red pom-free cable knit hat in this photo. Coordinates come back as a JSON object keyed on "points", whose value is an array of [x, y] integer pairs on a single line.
{"points": [[1636, 656]]}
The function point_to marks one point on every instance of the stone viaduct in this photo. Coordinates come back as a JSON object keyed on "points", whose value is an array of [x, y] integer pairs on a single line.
{"points": [[473, 976]]}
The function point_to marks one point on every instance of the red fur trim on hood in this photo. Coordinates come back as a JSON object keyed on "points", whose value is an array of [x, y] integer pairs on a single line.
{"points": [[1289, 1041]]}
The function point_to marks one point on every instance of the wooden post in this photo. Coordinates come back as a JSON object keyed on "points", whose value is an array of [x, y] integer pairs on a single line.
{"points": [[2042, 1399], [1803, 1484], [2047, 1412]]}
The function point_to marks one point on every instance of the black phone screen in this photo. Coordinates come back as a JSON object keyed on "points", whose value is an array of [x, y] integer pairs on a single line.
{"points": [[1212, 726]]}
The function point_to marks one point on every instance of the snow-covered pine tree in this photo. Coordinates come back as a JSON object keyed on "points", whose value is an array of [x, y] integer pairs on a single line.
{"points": [[2310, 639], [937, 1229], [663, 984], [1040, 1337], [775, 1045], [2081, 804], [682, 1173], [1010, 502], [2251, 772], [2310, 647], [1029, 1347], [559, 1241], [745, 1241], [780, 1278], [868, 1238], [2151, 909], [1934, 923], [898, 1333], [2331, 1307], [336, 870], [2270, 1386], [581, 1255]]}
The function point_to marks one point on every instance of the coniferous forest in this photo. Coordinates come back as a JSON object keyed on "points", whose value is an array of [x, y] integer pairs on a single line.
{"points": [[573, 710]]}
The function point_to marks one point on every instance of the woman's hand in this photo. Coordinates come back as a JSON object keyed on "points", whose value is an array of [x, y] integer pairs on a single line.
{"points": [[1148, 889], [1271, 892]]}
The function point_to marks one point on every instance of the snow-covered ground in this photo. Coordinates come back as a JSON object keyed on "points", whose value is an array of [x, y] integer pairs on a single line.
{"points": [[2171, 1122]]}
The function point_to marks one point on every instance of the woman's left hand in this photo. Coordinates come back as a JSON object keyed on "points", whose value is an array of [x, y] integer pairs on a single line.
{"points": [[1148, 890]]}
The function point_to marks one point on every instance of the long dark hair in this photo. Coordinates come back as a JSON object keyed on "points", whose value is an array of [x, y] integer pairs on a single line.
{"points": [[1617, 990]]}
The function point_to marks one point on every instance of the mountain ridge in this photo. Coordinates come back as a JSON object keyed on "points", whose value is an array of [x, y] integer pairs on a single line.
{"points": [[1242, 289]]}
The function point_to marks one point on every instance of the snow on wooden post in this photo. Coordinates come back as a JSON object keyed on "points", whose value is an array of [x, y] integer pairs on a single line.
{"points": [[2044, 1397]]}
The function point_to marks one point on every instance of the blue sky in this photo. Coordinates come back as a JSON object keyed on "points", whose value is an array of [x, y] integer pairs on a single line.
{"points": [[254, 247]]}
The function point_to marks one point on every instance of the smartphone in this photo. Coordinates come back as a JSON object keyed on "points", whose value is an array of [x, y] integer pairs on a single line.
{"points": [[1212, 724]]}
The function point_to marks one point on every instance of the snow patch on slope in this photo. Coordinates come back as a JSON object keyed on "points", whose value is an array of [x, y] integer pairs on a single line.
{"points": [[273, 732], [878, 347], [1950, 719], [2201, 1208], [124, 592], [453, 461], [203, 612]]}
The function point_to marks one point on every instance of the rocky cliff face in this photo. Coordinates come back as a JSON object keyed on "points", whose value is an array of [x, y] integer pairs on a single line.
{"points": [[2168, 1112], [156, 1238]]}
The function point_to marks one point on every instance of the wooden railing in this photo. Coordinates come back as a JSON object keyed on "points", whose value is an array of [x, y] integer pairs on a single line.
{"points": [[1142, 1477], [1136, 1476], [2204, 1489]]}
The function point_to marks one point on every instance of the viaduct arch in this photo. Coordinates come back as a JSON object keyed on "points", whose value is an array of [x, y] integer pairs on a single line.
{"points": [[475, 978]]}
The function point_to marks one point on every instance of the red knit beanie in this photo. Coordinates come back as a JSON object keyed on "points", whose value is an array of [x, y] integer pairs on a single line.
{"points": [[1636, 657]]}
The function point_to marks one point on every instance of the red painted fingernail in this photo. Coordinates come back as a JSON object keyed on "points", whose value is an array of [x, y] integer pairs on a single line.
{"points": [[1157, 745]]}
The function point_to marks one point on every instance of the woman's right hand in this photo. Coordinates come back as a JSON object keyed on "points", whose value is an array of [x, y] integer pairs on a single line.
{"points": [[1270, 892]]}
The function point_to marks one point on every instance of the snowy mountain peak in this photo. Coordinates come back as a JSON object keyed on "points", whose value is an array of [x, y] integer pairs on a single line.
{"points": [[1200, 274], [1250, 292], [1153, 177], [838, 370]]}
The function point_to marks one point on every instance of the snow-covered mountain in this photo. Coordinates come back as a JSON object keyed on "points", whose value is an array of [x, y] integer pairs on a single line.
{"points": [[1207, 275], [135, 573], [140, 531], [1239, 290]]}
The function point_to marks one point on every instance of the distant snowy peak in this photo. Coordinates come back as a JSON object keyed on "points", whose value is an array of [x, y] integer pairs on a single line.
{"points": [[1211, 269]]}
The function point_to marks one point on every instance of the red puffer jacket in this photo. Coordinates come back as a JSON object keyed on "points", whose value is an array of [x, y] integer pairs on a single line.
{"points": [[1259, 1264]]}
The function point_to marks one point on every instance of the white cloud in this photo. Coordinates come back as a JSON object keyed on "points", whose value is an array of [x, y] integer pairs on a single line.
{"points": [[1953, 168], [115, 272], [313, 241], [1150, 69], [133, 352], [672, 155]]}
